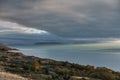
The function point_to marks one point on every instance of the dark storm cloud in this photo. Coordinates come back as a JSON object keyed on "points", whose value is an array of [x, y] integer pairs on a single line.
{"points": [[64, 17]]}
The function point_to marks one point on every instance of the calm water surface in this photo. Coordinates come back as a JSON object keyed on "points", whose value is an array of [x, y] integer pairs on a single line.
{"points": [[76, 54]]}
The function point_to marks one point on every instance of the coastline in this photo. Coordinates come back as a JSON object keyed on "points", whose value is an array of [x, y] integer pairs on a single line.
{"points": [[46, 69]]}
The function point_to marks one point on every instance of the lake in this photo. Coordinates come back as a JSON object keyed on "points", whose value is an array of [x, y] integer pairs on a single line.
{"points": [[106, 54]]}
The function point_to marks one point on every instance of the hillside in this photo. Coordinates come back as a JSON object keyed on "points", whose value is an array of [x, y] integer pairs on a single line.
{"points": [[46, 69]]}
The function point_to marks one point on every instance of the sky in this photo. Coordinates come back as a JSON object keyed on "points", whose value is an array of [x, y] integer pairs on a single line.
{"points": [[65, 18]]}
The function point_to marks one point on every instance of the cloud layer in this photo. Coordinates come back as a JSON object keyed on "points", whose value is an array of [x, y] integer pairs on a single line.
{"points": [[65, 17], [9, 27]]}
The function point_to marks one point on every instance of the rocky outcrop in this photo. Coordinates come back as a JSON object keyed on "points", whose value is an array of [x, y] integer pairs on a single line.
{"points": [[6, 48]]}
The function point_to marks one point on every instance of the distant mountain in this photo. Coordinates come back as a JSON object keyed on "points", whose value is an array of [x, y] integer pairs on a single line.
{"points": [[29, 39]]}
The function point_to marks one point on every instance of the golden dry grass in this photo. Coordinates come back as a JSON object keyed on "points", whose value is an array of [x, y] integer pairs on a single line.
{"points": [[9, 76]]}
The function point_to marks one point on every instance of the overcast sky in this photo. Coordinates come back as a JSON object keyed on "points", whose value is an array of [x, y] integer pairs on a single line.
{"points": [[67, 18]]}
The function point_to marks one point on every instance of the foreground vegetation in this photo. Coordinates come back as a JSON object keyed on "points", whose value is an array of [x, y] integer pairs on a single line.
{"points": [[45, 69], [9, 76]]}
